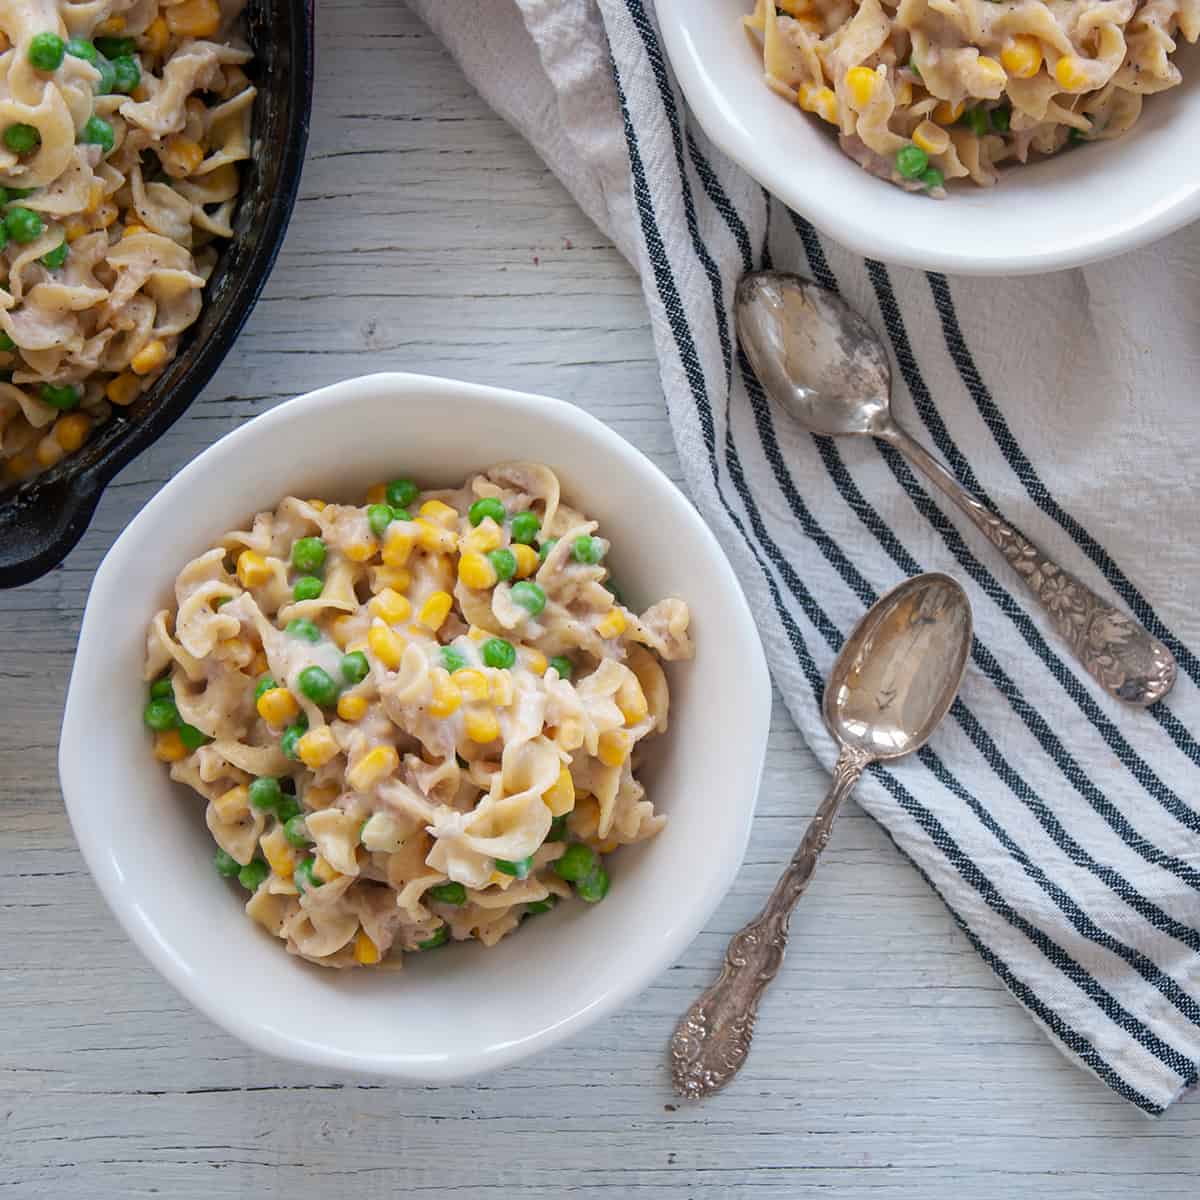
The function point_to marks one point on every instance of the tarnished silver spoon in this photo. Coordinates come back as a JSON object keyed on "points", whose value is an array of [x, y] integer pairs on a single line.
{"points": [[891, 685], [826, 366]]}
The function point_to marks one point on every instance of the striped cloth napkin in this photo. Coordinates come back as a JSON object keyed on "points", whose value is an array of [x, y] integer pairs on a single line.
{"points": [[1061, 829]]}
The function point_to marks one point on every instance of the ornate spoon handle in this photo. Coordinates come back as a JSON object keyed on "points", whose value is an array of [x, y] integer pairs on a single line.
{"points": [[1122, 657], [711, 1041]]}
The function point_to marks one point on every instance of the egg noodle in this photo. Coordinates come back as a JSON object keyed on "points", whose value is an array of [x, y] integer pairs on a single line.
{"points": [[412, 723], [925, 91], [121, 124]]}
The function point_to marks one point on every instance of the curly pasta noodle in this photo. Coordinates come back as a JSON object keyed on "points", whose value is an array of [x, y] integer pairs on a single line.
{"points": [[412, 725], [925, 91], [121, 126]]}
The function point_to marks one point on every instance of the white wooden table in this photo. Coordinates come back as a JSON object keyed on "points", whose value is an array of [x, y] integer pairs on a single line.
{"points": [[889, 1062]]}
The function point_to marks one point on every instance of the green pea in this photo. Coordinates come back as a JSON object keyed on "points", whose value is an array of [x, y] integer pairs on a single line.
{"points": [[265, 684], [400, 514], [302, 627], [19, 193], [23, 224], [56, 257], [355, 667], [545, 548], [3, 235], [439, 939], [611, 589], [110, 47], [594, 887], [499, 653], [1000, 118], [933, 178], [1075, 136], [308, 554], [46, 51], [529, 596], [912, 66], [162, 689], [82, 48], [317, 684], [504, 563], [577, 862], [303, 876], [911, 161], [976, 120], [226, 864], [557, 830], [21, 138], [296, 832], [401, 493], [6, 343], [587, 549], [379, 517], [288, 809], [192, 737], [107, 84], [128, 73], [448, 893], [541, 906], [252, 875], [489, 506], [520, 868], [161, 715], [288, 739], [453, 659], [562, 665], [98, 132], [61, 396], [265, 793], [524, 528], [307, 587]]}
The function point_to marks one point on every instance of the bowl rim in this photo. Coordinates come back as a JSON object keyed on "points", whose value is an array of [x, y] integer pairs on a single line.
{"points": [[827, 210], [76, 782]]}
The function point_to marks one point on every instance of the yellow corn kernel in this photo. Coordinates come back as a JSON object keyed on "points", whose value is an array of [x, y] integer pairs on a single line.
{"points": [[319, 505], [433, 537], [110, 27], [351, 707], [484, 537], [131, 228], [322, 869], [439, 513], [123, 390], [990, 72], [149, 358], [613, 747], [20, 465], [481, 725], [317, 747], [156, 36], [471, 684], [631, 700], [1022, 56], [259, 664], [386, 645], [321, 797], [180, 155], [375, 765], [819, 100], [793, 8], [931, 138], [377, 493], [1071, 76], [48, 451], [397, 546], [365, 950], [194, 18], [527, 560], [501, 880], [277, 706], [559, 798], [612, 624], [95, 196], [75, 229], [476, 634], [5, 44], [946, 113], [475, 571], [860, 83], [535, 661], [169, 747], [436, 609], [607, 846], [360, 552], [232, 804], [390, 606], [252, 569], [71, 431], [904, 93], [569, 734], [502, 692], [446, 696], [279, 855], [396, 578], [341, 629]]}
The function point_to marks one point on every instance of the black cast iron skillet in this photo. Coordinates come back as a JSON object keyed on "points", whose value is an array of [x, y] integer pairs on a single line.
{"points": [[43, 519]]}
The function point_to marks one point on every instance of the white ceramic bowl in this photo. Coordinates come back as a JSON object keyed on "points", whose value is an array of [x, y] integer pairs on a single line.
{"points": [[466, 1009], [1090, 203]]}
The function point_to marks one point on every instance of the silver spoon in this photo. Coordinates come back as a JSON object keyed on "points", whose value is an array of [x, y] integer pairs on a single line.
{"points": [[826, 366], [891, 685]]}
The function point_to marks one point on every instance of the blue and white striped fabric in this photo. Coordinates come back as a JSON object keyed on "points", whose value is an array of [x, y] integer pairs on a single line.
{"points": [[1061, 830]]}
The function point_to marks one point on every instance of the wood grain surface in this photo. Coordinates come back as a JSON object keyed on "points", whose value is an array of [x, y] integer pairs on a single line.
{"points": [[888, 1063]]}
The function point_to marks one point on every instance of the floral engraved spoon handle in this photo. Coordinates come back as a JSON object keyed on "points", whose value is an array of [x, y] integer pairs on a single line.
{"points": [[1121, 656], [712, 1039]]}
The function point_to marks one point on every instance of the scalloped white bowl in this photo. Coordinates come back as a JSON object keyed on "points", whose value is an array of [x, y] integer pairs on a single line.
{"points": [[1087, 204], [463, 1010]]}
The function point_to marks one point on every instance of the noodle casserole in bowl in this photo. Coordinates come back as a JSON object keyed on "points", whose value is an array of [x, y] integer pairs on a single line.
{"points": [[1024, 135], [425, 723]]}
